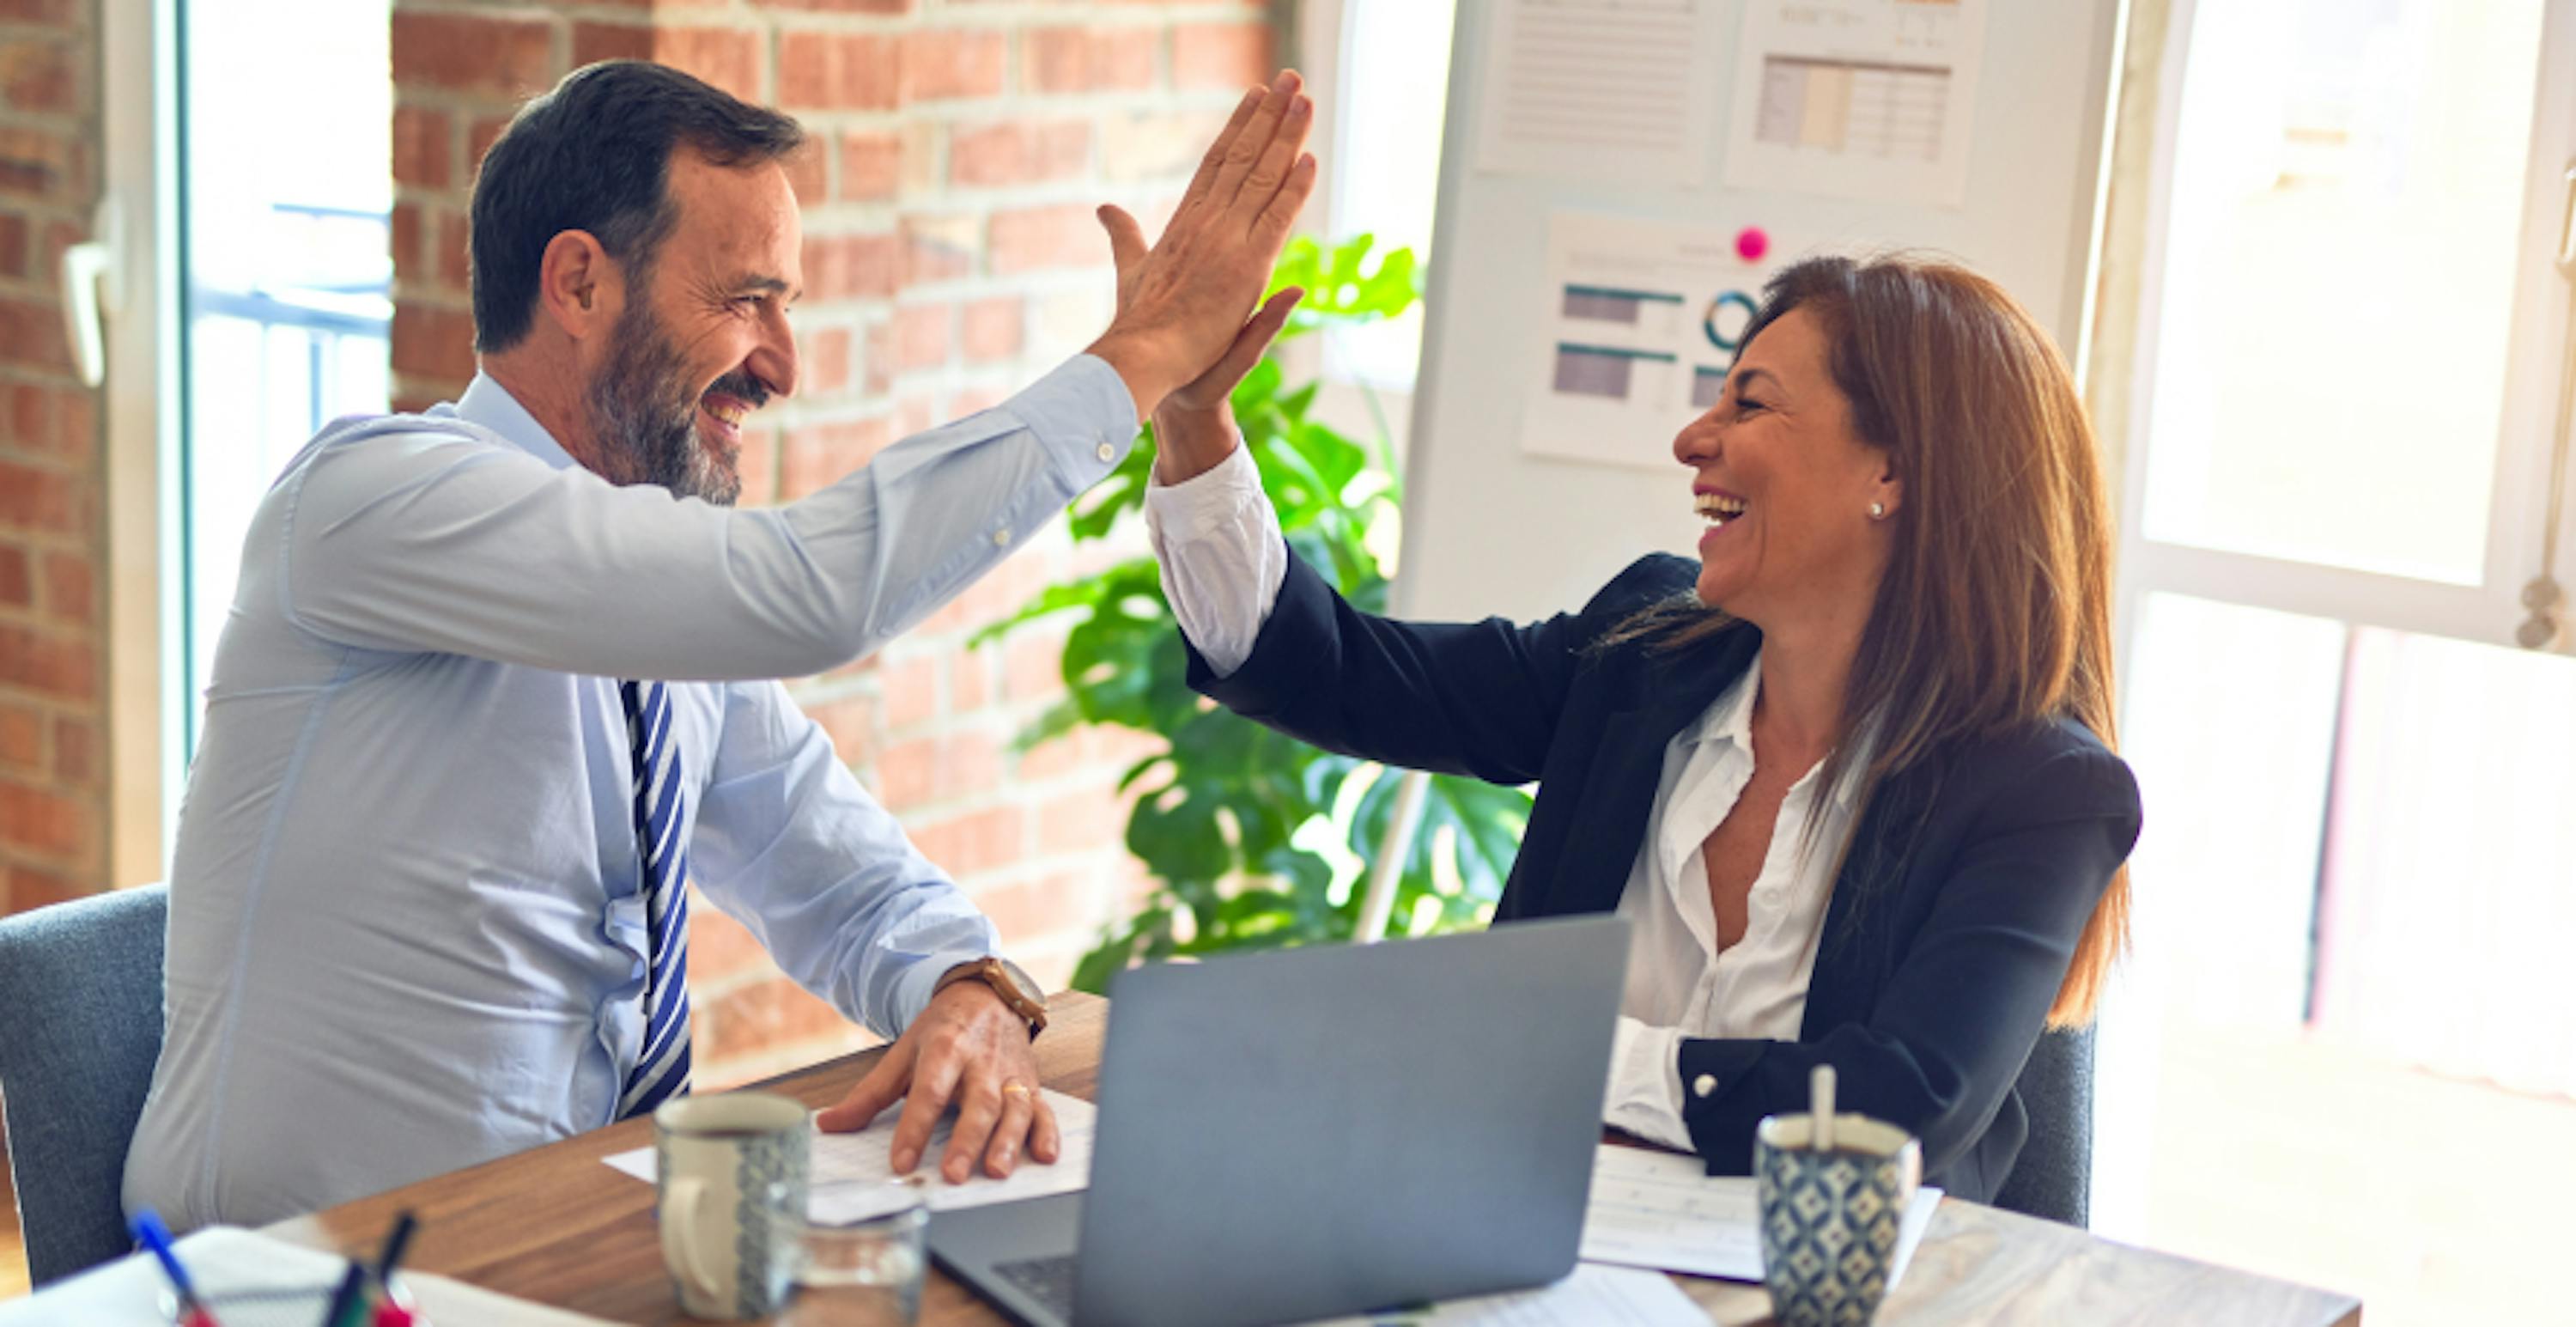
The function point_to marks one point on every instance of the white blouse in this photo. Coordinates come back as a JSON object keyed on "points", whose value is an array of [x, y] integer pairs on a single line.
{"points": [[1223, 562]]}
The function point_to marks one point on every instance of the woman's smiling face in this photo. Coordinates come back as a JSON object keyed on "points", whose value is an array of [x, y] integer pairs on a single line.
{"points": [[1786, 484]]}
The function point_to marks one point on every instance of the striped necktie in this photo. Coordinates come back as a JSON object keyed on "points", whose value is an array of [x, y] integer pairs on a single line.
{"points": [[663, 1069]]}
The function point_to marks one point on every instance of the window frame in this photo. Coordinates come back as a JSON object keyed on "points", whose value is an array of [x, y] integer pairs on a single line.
{"points": [[2518, 498], [147, 681]]}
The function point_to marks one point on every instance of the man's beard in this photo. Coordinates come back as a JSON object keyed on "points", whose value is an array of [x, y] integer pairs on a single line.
{"points": [[644, 415]]}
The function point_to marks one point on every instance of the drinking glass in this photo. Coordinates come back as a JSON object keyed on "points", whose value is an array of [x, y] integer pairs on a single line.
{"points": [[865, 1273]]}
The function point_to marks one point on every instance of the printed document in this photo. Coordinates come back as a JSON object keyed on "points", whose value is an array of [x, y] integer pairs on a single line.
{"points": [[852, 1175], [1592, 1296], [1659, 1209], [1866, 99], [1600, 90]]}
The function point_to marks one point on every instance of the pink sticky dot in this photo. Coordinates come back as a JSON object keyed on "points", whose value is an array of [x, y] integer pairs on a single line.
{"points": [[1751, 244]]}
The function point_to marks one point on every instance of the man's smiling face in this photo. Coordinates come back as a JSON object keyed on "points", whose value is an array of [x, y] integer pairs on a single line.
{"points": [[703, 338]]}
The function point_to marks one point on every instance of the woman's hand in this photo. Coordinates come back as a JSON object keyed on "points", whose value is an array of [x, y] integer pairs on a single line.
{"points": [[1194, 425], [1180, 298]]}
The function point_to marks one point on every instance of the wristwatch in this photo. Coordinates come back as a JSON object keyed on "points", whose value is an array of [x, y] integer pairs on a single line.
{"points": [[1021, 994]]}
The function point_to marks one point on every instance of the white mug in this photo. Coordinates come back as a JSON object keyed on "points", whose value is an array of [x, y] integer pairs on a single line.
{"points": [[729, 1180]]}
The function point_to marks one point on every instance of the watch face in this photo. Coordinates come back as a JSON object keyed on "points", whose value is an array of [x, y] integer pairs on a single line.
{"points": [[1027, 990]]}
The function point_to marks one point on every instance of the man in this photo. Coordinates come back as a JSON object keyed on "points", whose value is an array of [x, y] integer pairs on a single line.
{"points": [[496, 683]]}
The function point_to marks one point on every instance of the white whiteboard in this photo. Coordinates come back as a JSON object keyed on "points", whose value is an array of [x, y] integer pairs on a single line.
{"points": [[1491, 529]]}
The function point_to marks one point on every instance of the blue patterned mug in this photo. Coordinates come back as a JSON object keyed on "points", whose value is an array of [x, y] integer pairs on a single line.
{"points": [[729, 1178], [1830, 1219]]}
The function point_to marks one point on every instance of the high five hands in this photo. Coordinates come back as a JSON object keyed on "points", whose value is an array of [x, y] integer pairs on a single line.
{"points": [[1186, 304], [1186, 328]]}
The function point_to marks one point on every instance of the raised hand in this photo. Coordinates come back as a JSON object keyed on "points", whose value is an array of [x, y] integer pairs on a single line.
{"points": [[1194, 428], [1183, 303]]}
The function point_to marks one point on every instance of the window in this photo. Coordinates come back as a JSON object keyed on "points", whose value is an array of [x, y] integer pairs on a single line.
{"points": [[2351, 890], [2347, 192], [287, 272], [1390, 101]]}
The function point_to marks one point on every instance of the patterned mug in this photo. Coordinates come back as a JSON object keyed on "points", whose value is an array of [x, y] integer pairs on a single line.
{"points": [[729, 1180], [1830, 1219]]}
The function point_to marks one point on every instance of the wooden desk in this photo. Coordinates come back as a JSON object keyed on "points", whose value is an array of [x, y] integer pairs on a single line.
{"points": [[556, 1226]]}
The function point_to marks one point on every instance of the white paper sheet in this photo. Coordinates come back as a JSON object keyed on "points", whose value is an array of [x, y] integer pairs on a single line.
{"points": [[223, 1260], [1592, 1295], [1659, 1209], [1600, 90], [1643, 320], [851, 1172], [1866, 99]]}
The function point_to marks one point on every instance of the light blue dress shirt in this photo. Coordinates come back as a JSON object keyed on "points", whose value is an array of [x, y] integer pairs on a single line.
{"points": [[404, 928]]}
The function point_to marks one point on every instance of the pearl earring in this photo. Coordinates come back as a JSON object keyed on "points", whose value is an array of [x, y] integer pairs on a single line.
{"points": [[1878, 511]]}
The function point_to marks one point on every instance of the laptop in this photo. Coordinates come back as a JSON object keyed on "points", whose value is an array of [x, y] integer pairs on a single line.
{"points": [[1314, 1132]]}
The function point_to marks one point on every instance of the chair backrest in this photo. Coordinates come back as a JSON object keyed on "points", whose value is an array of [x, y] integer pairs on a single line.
{"points": [[2053, 1178], [81, 982]]}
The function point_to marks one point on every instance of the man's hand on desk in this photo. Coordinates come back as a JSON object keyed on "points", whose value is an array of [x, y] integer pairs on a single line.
{"points": [[968, 1049]]}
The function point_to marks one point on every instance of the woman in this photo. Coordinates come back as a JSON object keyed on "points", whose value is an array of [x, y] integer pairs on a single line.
{"points": [[1849, 775]]}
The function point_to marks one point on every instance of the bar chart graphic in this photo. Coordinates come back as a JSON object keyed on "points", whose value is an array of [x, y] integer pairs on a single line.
{"points": [[1707, 386], [1643, 323], [1646, 310], [1611, 372]]}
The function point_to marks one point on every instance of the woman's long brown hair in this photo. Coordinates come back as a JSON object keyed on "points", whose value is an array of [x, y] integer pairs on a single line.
{"points": [[1996, 608]]}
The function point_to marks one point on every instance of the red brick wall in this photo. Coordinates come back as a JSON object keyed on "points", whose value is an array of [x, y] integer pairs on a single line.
{"points": [[53, 777], [950, 256]]}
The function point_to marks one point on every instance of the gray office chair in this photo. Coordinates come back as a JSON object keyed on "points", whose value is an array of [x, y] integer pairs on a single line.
{"points": [[2053, 1177], [81, 982]]}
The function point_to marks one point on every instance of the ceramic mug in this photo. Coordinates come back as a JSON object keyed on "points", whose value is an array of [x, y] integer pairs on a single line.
{"points": [[729, 1181], [1830, 1219]]}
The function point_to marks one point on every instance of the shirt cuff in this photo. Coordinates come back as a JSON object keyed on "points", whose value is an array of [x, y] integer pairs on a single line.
{"points": [[913, 991], [1645, 1096], [1208, 502], [1218, 544], [1083, 415]]}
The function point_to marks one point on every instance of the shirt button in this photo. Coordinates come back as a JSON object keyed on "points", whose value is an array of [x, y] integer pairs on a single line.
{"points": [[1704, 1086], [1002, 537], [1107, 452]]}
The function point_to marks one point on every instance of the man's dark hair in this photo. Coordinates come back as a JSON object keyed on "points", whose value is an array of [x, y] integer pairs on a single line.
{"points": [[595, 155]]}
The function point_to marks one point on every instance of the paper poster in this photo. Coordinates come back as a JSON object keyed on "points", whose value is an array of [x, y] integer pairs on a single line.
{"points": [[1643, 319], [1601, 90], [1866, 99]]}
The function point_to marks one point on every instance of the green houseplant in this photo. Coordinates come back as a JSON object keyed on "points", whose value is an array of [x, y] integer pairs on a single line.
{"points": [[1242, 829]]}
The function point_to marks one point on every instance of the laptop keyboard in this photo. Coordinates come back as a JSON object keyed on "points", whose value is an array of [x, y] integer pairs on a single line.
{"points": [[1049, 1281]]}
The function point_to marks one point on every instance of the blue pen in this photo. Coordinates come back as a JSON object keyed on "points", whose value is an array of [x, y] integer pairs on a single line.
{"points": [[155, 1236]]}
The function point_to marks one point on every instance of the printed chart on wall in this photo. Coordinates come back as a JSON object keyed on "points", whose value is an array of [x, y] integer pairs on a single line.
{"points": [[1866, 99], [1601, 90], [1644, 319]]}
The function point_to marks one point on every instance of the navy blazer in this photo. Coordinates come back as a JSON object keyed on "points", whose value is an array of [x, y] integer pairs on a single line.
{"points": [[1969, 878]]}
